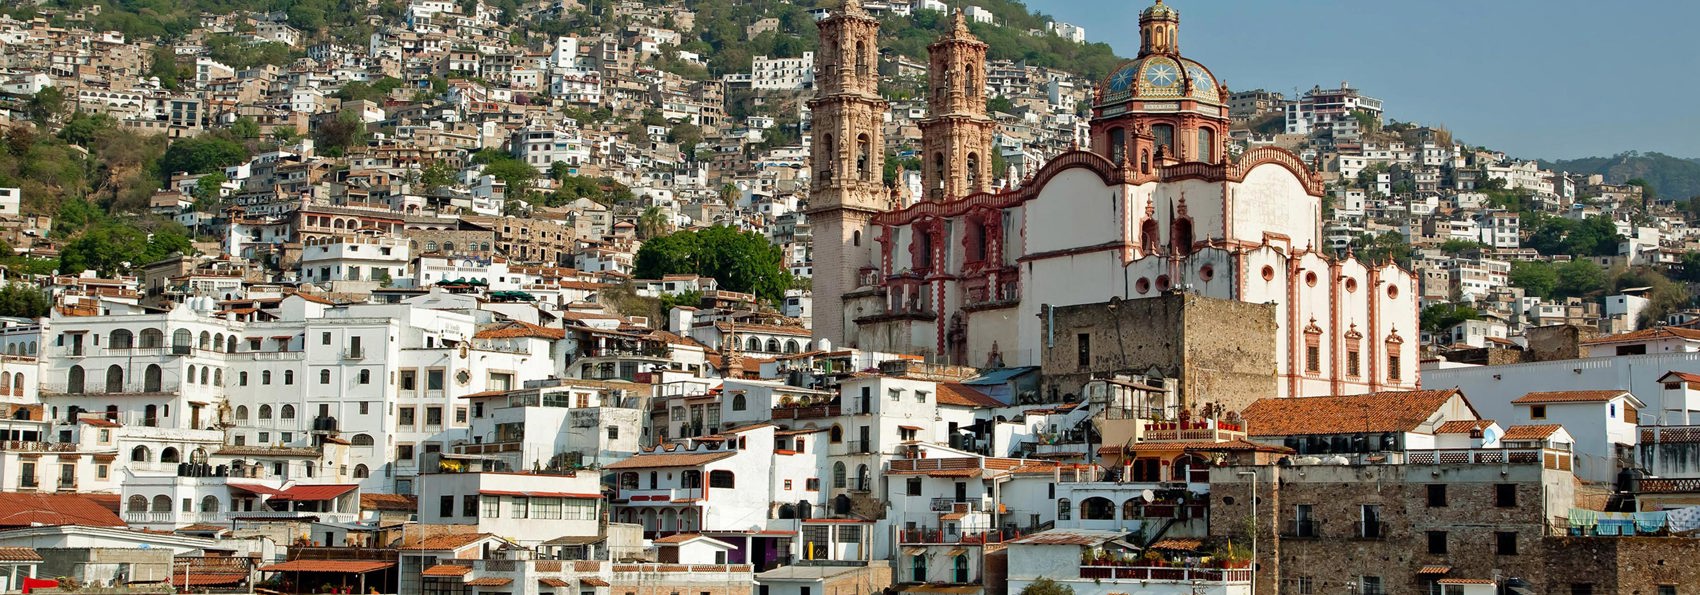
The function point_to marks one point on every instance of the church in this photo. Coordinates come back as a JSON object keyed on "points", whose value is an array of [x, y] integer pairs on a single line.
{"points": [[1154, 206]]}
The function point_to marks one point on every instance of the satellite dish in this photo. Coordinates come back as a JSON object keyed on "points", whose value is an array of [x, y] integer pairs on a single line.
{"points": [[1148, 496]]}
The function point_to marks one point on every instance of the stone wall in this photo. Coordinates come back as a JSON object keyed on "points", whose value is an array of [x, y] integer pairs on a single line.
{"points": [[1556, 342], [1219, 351], [1637, 565]]}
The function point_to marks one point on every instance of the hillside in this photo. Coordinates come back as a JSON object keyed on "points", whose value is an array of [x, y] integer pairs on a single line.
{"points": [[1671, 177]]}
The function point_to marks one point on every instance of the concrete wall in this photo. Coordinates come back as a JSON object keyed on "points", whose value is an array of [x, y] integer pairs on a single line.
{"points": [[1220, 351], [105, 566]]}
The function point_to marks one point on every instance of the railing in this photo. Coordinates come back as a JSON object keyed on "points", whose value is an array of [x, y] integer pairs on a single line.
{"points": [[859, 447], [806, 412], [34, 446], [661, 496], [648, 353], [926, 536], [354, 353], [324, 424], [935, 464], [1657, 434], [1155, 573], [954, 505], [488, 448], [1670, 485], [1546, 457], [1372, 530], [160, 518], [1303, 530]]}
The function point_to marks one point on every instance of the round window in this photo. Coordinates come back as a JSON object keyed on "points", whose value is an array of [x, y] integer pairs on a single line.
{"points": [[1392, 292], [1206, 273], [1310, 278], [1162, 283], [1143, 286], [1268, 273], [1351, 284]]}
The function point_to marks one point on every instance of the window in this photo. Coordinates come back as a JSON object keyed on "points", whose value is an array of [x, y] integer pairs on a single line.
{"points": [[1505, 495], [289, 376], [1313, 359], [469, 506], [546, 508], [721, 479], [1084, 342], [613, 433], [1436, 495], [1307, 585], [405, 415], [324, 376], [365, 377], [493, 508], [433, 416], [1393, 367], [1581, 588], [1371, 585], [788, 485], [812, 484], [1667, 589], [242, 379], [433, 380], [265, 412], [1065, 512], [286, 412], [404, 452], [738, 402], [324, 338], [265, 437], [1505, 543], [365, 408], [26, 475], [896, 394], [446, 506], [522, 508], [914, 486], [409, 379], [1353, 368], [1437, 542], [1537, 411]]}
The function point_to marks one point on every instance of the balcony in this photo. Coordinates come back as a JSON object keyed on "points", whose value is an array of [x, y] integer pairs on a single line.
{"points": [[806, 412], [488, 448], [662, 496], [95, 388], [325, 423], [1175, 575], [34, 446], [354, 353], [1192, 432], [859, 447], [954, 505], [1546, 457], [1375, 530], [936, 536], [1303, 530]]}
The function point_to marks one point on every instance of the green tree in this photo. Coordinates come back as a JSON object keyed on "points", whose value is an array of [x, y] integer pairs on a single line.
{"points": [[1579, 278], [437, 174], [82, 127], [1000, 104], [687, 136], [245, 128], [201, 154], [20, 300], [45, 106], [653, 223], [1455, 246], [738, 260], [1536, 277], [1045, 586], [1439, 317], [1389, 245], [336, 135], [207, 190], [729, 194], [636, 133]]}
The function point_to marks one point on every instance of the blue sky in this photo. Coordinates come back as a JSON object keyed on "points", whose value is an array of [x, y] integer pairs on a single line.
{"points": [[1535, 78]]}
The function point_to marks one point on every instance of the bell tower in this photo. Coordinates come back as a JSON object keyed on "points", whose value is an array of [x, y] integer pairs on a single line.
{"points": [[848, 161], [956, 137]]}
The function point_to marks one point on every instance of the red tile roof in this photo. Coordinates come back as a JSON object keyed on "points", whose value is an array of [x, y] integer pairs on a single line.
{"points": [[100, 423], [444, 542], [19, 554], [392, 502], [670, 459], [1649, 334], [23, 510], [1463, 426], [1187, 545], [1465, 581], [447, 570], [678, 538], [1684, 376], [961, 395], [1435, 569], [554, 582], [1569, 396], [1399, 411], [1523, 433], [337, 566], [516, 329], [315, 493], [489, 581], [592, 581]]}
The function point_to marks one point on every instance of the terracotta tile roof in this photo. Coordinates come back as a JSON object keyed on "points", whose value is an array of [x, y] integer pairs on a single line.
{"points": [[554, 582], [678, 538], [1399, 411], [315, 493], [445, 542], [1522, 433], [1465, 581], [202, 528], [1569, 396], [1463, 426], [937, 472], [1435, 569], [393, 502], [1649, 334], [489, 581], [19, 554], [206, 579], [23, 510], [100, 423], [960, 395], [592, 581], [447, 570], [1684, 376], [1185, 545], [670, 459], [338, 566], [513, 329], [1068, 537]]}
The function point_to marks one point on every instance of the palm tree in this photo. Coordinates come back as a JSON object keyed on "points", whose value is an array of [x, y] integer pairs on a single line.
{"points": [[653, 223]]}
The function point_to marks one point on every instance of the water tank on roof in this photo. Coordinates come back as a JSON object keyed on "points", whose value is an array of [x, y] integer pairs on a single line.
{"points": [[824, 345]]}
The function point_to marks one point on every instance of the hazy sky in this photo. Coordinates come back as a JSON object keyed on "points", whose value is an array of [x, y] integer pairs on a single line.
{"points": [[1535, 78]]}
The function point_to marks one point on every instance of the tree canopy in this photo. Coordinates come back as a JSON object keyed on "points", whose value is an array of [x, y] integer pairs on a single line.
{"points": [[739, 260]]}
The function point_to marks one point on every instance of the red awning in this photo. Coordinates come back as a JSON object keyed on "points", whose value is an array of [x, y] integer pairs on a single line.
{"points": [[592, 581], [316, 493], [256, 489]]}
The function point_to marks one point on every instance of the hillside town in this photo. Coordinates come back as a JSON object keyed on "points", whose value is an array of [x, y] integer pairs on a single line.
{"points": [[539, 299]]}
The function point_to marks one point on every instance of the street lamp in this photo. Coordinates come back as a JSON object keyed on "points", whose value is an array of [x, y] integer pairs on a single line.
{"points": [[1253, 475]]}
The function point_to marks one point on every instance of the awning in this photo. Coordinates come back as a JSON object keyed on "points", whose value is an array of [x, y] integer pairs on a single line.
{"points": [[316, 493], [956, 552], [914, 551], [914, 428], [447, 570], [592, 581], [554, 582], [332, 566], [489, 581], [1435, 570], [256, 489], [205, 580], [538, 494]]}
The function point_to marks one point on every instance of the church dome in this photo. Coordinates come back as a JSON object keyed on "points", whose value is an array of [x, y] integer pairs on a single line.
{"points": [[1159, 10], [1160, 77]]}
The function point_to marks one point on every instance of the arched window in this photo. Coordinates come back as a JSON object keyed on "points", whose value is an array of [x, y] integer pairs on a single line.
{"points": [[1165, 135], [324, 376], [861, 60], [18, 383], [265, 377], [241, 413], [1097, 509], [289, 376], [839, 478], [752, 344], [1206, 144], [1130, 509], [204, 375], [286, 412], [206, 341], [140, 454], [959, 568], [1188, 465], [1144, 161], [1065, 511], [153, 379], [74, 380], [791, 346], [828, 156], [137, 503], [430, 246], [361, 440], [1180, 238], [864, 480], [114, 379], [448, 246], [162, 503], [864, 156], [230, 344], [629, 480], [121, 339], [836, 435], [856, 238], [1118, 145], [265, 412], [773, 345], [218, 377], [152, 338], [973, 172], [721, 478], [5, 383], [738, 402], [190, 378], [360, 472], [1149, 239], [170, 455], [209, 504], [182, 340]]}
